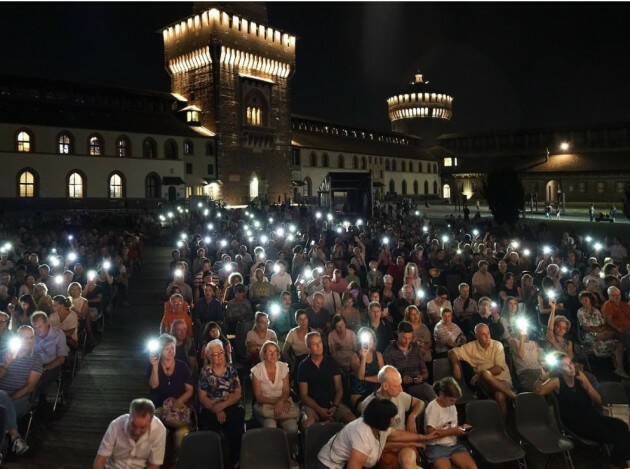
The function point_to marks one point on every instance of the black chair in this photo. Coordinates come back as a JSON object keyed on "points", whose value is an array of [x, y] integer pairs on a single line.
{"points": [[613, 392], [488, 436], [316, 436], [198, 449], [265, 448], [442, 369], [535, 426]]}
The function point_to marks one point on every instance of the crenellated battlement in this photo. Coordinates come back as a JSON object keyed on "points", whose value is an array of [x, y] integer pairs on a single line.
{"points": [[214, 19]]}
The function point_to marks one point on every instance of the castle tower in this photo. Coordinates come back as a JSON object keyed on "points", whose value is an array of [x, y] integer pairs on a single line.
{"points": [[421, 111], [235, 73]]}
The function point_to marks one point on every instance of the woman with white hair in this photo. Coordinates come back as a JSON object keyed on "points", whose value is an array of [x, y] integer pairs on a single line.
{"points": [[220, 398]]}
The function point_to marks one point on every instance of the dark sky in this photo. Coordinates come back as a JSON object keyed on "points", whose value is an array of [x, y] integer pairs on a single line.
{"points": [[507, 65]]}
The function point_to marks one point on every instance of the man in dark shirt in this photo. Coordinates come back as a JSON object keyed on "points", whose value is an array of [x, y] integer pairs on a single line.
{"points": [[405, 355], [381, 328], [318, 316], [207, 308], [321, 389]]}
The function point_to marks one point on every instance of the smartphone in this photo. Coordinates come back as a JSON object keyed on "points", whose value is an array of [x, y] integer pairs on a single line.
{"points": [[465, 429]]}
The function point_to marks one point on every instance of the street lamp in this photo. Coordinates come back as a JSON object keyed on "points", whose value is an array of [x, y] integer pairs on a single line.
{"points": [[564, 146]]}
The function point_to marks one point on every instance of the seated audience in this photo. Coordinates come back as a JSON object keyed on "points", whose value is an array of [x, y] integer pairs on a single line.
{"points": [[365, 365], [258, 336], [342, 342], [177, 311], [184, 345], [421, 333], [65, 319], [294, 348], [380, 326], [557, 332], [447, 334]]}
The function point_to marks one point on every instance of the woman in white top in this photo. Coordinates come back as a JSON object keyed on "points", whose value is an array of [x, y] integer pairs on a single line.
{"points": [[258, 335], [441, 417], [79, 304], [270, 384], [294, 348], [65, 319], [437, 304], [361, 442]]}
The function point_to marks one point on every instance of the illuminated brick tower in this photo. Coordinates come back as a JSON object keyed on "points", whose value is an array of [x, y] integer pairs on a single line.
{"points": [[421, 111], [234, 73]]}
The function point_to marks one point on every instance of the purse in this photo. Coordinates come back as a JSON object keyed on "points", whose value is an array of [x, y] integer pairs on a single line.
{"points": [[174, 418]]}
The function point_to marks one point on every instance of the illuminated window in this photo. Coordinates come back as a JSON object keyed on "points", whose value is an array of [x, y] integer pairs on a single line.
{"points": [[64, 144], [188, 147], [188, 191], [27, 184], [253, 188], [75, 186], [448, 162], [115, 186], [446, 191], [192, 117], [95, 146], [198, 190], [254, 116], [122, 147], [23, 141]]}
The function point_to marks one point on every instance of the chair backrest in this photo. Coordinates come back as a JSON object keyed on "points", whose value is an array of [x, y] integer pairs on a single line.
{"points": [[484, 416], [198, 448], [613, 392], [316, 436], [531, 410], [265, 448], [441, 368]]}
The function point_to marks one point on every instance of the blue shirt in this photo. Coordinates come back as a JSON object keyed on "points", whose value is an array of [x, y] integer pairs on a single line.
{"points": [[52, 346]]}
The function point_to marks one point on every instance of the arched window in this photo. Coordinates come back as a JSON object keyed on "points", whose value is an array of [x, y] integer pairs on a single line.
{"points": [[188, 147], [152, 186], [308, 184], [419, 166], [314, 160], [24, 141], [435, 170], [355, 162], [95, 145], [116, 187], [325, 160], [76, 185], [28, 183], [404, 187], [123, 147], [341, 162], [415, 187], [403, 166], [253, 188], [363, 163], [64, 143], [149, 148], [394, 165], [435, 187], [255, 109], [386, 165], [392, 187], [426, 187], [446, 191], [170, 149]]}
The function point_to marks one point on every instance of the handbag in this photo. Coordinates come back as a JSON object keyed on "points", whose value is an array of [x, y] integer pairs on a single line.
{"points": [[266, 410], [174, 418]]}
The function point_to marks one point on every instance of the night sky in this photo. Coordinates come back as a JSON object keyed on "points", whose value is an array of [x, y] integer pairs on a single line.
{"points": [[507, 65]]}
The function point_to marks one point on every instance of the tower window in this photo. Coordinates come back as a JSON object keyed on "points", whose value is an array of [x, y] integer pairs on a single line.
{"points": [[192, 117], [254, 116]]}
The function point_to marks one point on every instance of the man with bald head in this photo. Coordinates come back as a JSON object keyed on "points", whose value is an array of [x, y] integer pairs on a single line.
{"points": [[617, 315], [397, 455], [486, 357]]}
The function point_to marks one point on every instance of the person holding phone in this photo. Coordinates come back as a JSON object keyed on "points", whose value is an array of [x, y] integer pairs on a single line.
{"points": [[441, 417], [365, 365]]}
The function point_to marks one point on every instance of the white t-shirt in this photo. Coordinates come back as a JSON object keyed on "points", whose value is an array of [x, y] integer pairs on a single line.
{"points": [[124, 453], [402, 402], [440, 418], [358, 435], [269, 389], [71, 322]]}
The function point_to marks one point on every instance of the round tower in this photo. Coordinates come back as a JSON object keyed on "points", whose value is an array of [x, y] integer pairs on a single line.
{"points": [[421, 111]]}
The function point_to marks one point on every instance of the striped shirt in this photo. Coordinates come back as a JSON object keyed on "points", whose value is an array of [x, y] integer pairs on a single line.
{"points": [[18, 372]]}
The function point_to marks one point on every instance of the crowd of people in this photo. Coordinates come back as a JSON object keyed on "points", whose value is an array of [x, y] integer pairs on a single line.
{"points": [[60, 278], [312, 317]]}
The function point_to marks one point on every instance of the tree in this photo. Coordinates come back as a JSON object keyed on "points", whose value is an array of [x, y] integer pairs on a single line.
{"points": [[505, 195]]}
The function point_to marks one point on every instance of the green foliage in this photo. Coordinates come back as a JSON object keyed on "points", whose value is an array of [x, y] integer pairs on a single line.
{"points": [[505, 195]]}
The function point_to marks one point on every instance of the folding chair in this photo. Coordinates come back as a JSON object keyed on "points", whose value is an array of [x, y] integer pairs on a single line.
{"points": [[535, 427], [442, 369], [488, 436], [265, 448], [316, 436], [200, 449]]}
